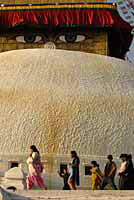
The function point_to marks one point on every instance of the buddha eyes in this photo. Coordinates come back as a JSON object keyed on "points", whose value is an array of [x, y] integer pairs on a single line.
{"points": [[72, 38], [35, 38], [29, 38]]}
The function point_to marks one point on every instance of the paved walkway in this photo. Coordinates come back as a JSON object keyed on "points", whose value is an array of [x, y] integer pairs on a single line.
{"points": [[74, 195]]}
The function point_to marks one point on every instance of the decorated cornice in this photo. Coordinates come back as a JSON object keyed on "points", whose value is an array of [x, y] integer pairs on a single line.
{"points": [[49, 1], [61, 14], [22, 7]]}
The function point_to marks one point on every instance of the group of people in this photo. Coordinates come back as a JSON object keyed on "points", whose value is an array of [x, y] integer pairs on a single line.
{"points": [[71, 176], [71, 173], [125, 173], [35, 168]]}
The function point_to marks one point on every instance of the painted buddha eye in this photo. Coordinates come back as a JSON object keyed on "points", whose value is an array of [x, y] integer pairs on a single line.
{"points": [[29, 38], [72, 38]]}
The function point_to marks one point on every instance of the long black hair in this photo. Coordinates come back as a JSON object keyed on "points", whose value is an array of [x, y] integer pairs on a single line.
{"points": [[33, 147], [73, 153], [95, 163]]}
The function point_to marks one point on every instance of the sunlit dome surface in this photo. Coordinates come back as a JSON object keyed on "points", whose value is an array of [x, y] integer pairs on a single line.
{"points": [[61, 100]]}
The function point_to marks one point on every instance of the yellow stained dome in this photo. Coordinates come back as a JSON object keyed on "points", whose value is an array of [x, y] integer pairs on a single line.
{"points": [[64, 100]]}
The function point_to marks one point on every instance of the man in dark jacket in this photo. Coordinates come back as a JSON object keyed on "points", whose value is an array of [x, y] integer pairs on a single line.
{"points": [[109, 174]]}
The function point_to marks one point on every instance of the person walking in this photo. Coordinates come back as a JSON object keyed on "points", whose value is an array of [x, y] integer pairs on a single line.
{"points": [[75, 179], [35, 169], [123, 172], [97, 176], [130, 173], [109, 174], [71, 181]]}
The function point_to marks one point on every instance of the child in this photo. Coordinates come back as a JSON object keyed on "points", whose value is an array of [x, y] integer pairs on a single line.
{"points": [[65, 176], [96, 176]]}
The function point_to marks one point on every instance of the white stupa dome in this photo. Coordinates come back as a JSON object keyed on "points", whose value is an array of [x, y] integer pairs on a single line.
{"points": [[62, 101]]}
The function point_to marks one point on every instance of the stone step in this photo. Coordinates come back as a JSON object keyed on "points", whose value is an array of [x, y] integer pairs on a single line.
{"points": [[73, 195]]}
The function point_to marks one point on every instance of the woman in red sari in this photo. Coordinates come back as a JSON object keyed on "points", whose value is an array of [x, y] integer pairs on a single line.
{"points": [[35, 169]]}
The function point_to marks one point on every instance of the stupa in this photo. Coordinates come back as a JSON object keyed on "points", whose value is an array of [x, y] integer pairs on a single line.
{"points": [[81, 25], [61, 101]]}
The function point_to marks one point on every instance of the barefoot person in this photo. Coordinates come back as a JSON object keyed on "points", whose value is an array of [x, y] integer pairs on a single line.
{"points": [[35, 169]]}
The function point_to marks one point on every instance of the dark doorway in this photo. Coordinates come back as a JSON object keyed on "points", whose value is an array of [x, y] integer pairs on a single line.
{"points": [[88, 170], [14, 164]]}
